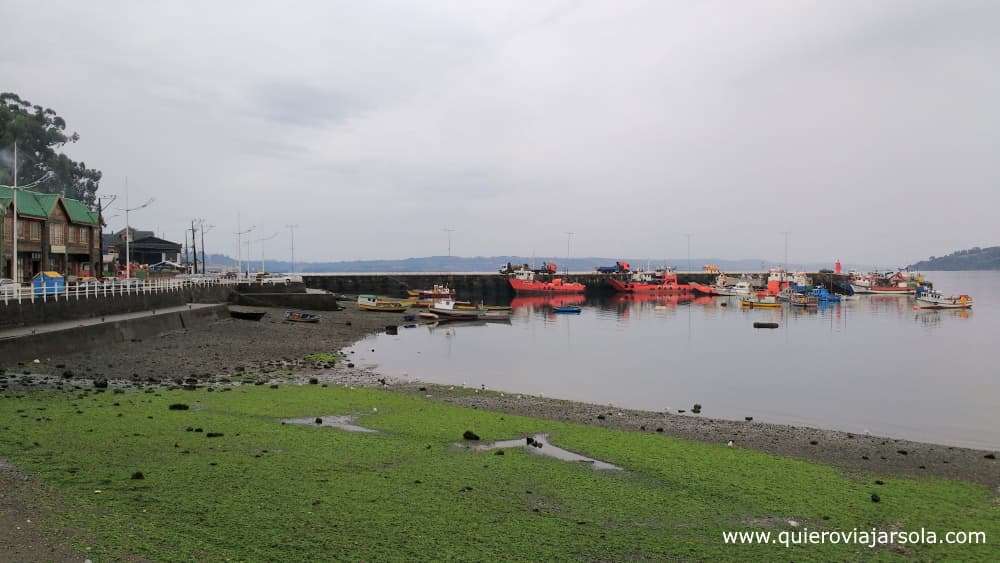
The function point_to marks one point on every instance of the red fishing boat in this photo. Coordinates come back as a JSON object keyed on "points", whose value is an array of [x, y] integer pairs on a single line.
{"points": [[663, 281], [528, 281]]}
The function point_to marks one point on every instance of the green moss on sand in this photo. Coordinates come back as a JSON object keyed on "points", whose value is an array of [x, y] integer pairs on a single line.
{"points": [[267, 491]]}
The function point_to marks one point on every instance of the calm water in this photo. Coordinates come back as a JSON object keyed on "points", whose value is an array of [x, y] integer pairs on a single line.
{"points": [[871, 365]]}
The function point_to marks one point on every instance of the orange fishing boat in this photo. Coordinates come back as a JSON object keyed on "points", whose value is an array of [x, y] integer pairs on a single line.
{"points": [[525, 281], [661, 281]]}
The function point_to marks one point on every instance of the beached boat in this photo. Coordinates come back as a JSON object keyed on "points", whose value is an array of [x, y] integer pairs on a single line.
{"points": [[760, 301], [527, 281], [437, 292], [383, 305], [300, 317], [932, 299], [662, 281]]}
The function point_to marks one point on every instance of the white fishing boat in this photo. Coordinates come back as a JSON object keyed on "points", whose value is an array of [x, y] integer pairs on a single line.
{"points": [[935, 300], [450, 309], [742, 287]]}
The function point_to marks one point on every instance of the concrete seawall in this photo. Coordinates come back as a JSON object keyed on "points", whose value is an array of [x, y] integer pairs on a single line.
{"points": [[489, 286], [26, 313], [93, 334]]}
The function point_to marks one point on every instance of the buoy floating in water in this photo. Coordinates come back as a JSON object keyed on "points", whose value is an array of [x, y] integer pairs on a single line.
{"points": [[765, 325]]}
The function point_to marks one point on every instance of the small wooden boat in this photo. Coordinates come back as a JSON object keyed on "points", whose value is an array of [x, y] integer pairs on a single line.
{"points": [[437, 292], [383, 305], [449, 309], [246, 315], [803, 300], [428, 315], [300, 317], [935, 300], [571, 309], [446, 308], [760, 301]]}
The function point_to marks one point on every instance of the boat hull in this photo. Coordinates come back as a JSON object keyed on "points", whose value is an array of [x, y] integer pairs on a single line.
{"points": [[661, 288], [543, 287], [890, 290], [944, 303], [703, 289]]}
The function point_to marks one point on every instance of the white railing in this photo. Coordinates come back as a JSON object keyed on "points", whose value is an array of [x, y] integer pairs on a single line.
{"points": [[112, 288]]}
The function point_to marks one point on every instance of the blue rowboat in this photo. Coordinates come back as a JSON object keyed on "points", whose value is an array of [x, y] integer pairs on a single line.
{"points": [[566, 309]]}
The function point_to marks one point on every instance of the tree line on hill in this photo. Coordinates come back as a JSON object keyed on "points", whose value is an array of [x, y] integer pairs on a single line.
{"points": [[974, 258]]}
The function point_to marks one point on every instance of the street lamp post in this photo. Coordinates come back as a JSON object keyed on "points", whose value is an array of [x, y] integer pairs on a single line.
{"points": [[262, 241], [128, 231], [239, 247], [291, 233], [449, 230], [569, 237], [13, 197]]}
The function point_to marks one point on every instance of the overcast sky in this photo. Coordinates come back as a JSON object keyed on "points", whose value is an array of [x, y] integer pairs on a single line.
{"points": [[869, 130]]}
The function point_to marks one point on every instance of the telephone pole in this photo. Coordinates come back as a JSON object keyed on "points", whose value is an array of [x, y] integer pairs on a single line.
{"points": [[204, 257], [194, 247]]}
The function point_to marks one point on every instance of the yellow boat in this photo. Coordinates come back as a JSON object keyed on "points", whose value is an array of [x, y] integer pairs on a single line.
{"points": [[383, 305]]}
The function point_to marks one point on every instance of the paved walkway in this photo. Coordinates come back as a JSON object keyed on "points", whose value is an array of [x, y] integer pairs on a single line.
{"points": [[12, 333]]}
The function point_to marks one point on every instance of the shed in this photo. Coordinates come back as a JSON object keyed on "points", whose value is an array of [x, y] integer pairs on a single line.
{"points": [[48, 283]]}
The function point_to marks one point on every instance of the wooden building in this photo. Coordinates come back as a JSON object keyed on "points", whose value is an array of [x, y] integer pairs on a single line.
{"points": [[54, 233]]}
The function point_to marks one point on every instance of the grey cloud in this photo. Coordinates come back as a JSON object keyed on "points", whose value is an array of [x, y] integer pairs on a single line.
{"points": [[302, 105]]}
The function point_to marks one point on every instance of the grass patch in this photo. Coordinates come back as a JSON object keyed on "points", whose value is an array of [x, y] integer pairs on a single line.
{"points": [[321, 357], [267, 491]]}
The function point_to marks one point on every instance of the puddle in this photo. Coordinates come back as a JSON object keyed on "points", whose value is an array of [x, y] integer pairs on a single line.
{"points": [[547, 449], [342, 422]]}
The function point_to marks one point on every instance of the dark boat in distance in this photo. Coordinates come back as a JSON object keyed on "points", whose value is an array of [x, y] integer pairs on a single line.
{"points": [[246, 314]]}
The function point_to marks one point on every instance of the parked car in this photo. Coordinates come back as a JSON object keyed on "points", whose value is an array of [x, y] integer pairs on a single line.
{"points": [[7, 286], [129, 282]]}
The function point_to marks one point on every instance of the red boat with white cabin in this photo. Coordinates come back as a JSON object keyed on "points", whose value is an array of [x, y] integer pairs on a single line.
{"points": [[661, 281], [527, 281]]}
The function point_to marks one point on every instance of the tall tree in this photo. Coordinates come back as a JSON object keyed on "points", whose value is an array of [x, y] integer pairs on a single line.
{"points": [[40, 134]]}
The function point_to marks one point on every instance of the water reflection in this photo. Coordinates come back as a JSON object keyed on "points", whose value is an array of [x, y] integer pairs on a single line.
{"points": [[871, 364]]}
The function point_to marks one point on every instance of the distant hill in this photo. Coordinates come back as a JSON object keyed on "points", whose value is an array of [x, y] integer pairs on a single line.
{"points": [[974, 258], [492, 263]]}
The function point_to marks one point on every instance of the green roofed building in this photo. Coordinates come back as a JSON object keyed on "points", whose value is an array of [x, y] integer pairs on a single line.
{"points": [[54, 233]]}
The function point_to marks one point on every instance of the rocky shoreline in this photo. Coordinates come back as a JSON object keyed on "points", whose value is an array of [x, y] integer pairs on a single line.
{"points": [[272, 351]]}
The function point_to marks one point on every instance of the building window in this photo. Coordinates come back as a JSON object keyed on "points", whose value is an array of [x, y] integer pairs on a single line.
{"points": [[8, 228], [29, 230], [57, 234], [84, 237]]}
